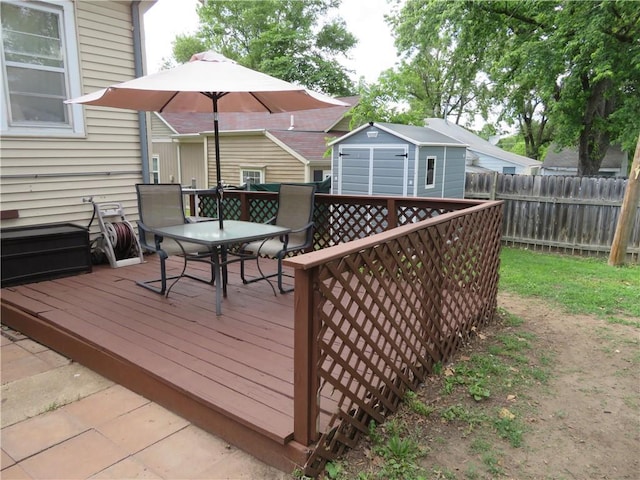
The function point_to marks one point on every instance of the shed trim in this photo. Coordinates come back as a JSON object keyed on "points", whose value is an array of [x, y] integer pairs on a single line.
{"points": [[390, 131]]}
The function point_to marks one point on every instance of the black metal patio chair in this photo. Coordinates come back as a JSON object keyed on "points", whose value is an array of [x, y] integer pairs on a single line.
{"points": [[161, 205], [295, 211]]}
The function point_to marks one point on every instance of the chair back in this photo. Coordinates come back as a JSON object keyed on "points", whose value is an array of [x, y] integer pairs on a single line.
{"points": [[159, 205], [295, 210]]}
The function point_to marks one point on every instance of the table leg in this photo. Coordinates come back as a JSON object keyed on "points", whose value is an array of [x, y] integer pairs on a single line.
{"points": [[218, 280], [225, 276]]}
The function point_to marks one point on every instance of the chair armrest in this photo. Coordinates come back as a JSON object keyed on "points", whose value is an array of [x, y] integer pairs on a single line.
{"points": [[142, 231], [285, 238], [302, 229]]}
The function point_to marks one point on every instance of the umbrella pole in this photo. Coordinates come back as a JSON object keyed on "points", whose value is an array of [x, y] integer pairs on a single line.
{"points": [[216, 141]]}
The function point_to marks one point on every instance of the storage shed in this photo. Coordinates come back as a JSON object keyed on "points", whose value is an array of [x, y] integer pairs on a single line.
{"points": [[393, 159]]}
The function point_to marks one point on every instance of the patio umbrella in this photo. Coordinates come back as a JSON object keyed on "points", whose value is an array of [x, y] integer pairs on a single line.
{"points": [[209, 82]]}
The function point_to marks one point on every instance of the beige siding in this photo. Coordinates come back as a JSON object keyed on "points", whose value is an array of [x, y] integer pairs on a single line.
{"points": [[254, 150], [192, 164], [46, 179], [159, 129], [167, 152]]}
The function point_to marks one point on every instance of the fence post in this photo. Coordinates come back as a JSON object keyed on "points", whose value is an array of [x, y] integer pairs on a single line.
{"points": [[306, 383], [494, 186]]}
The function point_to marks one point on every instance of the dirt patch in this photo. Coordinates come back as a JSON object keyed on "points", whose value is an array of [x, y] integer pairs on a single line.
{"points": [[580, 422]]}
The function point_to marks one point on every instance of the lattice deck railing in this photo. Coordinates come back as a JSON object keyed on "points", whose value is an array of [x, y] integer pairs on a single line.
{"points": [[376, 306], [337, 218]]}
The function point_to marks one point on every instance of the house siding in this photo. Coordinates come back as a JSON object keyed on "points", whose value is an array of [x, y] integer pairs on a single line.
{"points": [[166, 149], [496, 164], [192, 165], [159, 129], [252, 150], [46, 178]]}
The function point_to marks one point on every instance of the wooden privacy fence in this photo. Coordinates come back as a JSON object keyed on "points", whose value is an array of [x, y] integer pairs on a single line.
{"points": [[572, 214]]}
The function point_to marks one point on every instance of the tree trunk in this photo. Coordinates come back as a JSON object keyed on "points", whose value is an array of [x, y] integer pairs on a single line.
{"points": [[627, 213], [594, 141]]}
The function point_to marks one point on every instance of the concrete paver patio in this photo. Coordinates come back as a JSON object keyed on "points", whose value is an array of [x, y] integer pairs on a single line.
{"points": [[63, 421]]}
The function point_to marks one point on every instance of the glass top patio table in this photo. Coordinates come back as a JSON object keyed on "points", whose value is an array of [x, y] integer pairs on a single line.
{"points": [[216, 240]]}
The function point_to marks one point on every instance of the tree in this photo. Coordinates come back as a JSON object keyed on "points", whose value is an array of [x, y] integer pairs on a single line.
{"points": [[289, 39], [437, 77], [572, 64], [381, 102], [627, 213]]}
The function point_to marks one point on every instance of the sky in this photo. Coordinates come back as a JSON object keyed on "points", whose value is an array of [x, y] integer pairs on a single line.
{"points": [[373, 54]]}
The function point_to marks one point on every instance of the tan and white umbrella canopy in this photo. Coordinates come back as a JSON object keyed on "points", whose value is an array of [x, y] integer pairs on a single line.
{"points": [[210, 82]]}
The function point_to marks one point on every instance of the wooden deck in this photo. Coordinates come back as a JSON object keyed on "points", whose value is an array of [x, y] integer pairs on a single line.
{"points": [[232, 375]]}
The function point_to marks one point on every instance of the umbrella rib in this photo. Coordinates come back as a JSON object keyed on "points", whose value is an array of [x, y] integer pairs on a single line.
{"points": [[261, 102], [168, 102]]}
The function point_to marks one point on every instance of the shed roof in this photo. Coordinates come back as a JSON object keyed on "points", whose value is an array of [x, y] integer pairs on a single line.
{"points": [[476, 143], [409, 133]]}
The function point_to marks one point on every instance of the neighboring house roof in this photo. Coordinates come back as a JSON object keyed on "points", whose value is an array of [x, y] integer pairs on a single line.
{"points": [[310, 145], [317, 120], [568, 158], [477, 169], [478, 144], [410, 133]]}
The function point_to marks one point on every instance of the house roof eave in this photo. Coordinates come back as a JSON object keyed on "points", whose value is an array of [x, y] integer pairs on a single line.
{"points": [[287, 148]]}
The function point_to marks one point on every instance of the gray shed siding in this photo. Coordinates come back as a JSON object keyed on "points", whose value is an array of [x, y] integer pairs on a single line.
{"points": [[449, 172], [376, 166], [392, 165]]}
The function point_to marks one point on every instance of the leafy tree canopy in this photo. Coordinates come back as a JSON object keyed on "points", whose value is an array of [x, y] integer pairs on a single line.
{"points": [[294, 40], [574, 64]]}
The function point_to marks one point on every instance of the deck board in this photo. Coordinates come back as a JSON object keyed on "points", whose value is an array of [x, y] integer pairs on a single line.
{"points": [[239, 364]]}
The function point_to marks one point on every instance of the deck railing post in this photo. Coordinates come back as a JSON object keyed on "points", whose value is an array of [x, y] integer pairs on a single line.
{"points": [[392, 213], [244, 206], [305, 356], [192, 205]]}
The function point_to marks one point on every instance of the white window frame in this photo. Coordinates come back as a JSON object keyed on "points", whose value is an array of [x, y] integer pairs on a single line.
{"points": [[260, 170], [76, 126], [154, 168], [426, 172]]}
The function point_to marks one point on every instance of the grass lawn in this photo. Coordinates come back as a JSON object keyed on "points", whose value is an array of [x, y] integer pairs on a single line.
{"points": [[480, 408], [580, 285]]}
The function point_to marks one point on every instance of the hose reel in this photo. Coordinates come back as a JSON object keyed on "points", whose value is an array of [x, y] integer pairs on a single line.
{"points": [[119, 242]]}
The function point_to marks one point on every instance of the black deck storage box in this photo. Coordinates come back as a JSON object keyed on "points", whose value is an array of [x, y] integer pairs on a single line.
{"points": [[42, 252]]}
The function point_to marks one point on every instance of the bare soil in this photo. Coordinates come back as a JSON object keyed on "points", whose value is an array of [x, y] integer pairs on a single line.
{"points": [[582, 423]]}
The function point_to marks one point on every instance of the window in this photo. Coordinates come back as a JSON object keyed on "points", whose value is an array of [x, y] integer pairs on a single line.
{"points": [[155, 169], [251, 175], [321, 175], [509, 170], [39, 69], [430, 178]]}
